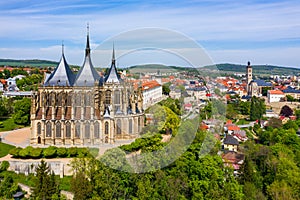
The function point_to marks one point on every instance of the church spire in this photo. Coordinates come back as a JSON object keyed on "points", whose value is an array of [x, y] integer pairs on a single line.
{"points": [[113, 76], [113, 60], [62, 48], [87, 74], [62, 75], [87, 48]]}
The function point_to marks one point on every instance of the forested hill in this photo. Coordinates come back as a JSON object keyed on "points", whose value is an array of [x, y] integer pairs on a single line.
{"points": [[224, 67], [27, 63], [258, 69]]}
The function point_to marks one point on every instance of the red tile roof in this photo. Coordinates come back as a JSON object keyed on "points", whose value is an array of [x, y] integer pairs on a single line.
{"points": [[276, 92]]}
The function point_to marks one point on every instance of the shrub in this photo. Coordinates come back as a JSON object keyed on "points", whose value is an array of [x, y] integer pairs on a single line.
{"points": [[82, 152], [62, 152], [50, 152], [26, 153], [15, 152], [36, 153], [72, 152]]}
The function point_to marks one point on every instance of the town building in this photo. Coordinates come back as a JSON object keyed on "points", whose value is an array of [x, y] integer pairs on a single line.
{"points": [[275, 96], [231, 143], [85, 108], [152, 93]]}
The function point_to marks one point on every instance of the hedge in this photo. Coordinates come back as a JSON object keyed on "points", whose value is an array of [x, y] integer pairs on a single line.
{"points": [[49, 152]]}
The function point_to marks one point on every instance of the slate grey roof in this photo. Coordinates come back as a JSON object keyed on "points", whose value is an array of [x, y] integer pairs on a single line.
{"points": [[87, 74], [62, 75], [231, 140], [290, 90], [112, 75], [262, 83]]}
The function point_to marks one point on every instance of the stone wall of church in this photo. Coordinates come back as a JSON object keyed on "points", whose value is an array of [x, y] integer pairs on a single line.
{"points": [[76, 116]]}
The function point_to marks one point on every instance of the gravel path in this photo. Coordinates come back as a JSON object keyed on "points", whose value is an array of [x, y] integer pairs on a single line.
{"points": [[19, 137]]}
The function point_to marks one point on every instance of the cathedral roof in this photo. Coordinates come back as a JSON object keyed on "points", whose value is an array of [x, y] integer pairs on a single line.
{"points": [[87, 74], [62, 75], [112, 76]]}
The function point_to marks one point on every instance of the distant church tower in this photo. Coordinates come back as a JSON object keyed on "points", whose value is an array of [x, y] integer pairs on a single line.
{"points": [[249, 77]]}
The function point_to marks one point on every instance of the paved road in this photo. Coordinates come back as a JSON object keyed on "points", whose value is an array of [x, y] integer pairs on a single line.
{"points": [[251, 124]]}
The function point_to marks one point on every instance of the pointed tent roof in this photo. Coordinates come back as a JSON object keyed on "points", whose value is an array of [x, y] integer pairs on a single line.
{"points": [[62, 75], [112, 76], [87, 74]]}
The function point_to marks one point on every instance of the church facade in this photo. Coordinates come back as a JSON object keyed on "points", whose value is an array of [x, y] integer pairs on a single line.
{"points": [[255, 87], [85, 108]]}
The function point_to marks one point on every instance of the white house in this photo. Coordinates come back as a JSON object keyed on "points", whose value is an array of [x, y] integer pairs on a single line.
{"points": [[275, 95], [152, 93], [11, 81]]}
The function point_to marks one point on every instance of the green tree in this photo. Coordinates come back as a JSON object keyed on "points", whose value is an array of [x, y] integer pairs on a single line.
{"points": [[45, 184], [244, 107], [81, 186], [8, 187], [166, 88], [290, 98], [257, 108], [22, 111], [231, 113]]}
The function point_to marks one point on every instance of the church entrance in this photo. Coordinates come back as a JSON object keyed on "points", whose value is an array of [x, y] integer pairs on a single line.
{"points": [[106, 139], [39, 140]]}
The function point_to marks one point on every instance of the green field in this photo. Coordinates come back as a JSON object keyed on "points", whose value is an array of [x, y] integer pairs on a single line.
{"points": [[4, 149]]}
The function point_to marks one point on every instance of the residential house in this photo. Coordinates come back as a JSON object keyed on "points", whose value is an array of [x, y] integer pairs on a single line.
{"points": [[230, 143], [233, 159]]}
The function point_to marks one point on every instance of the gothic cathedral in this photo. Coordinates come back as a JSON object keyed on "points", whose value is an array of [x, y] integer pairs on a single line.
{"points": [[85, 108]]}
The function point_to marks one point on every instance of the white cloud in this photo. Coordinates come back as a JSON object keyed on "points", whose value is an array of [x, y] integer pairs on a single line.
{"points": [[220, 21]]}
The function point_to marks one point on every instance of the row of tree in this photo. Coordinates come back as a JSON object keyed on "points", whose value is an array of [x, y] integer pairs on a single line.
{"points": [[18, 109]]}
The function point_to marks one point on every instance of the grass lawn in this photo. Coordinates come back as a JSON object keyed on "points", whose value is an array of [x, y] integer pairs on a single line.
{"points": [[4, 149], [242, 122], [9, 124]]}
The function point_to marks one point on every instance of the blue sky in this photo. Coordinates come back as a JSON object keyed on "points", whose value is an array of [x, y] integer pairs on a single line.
{"points": [[265, 32]]}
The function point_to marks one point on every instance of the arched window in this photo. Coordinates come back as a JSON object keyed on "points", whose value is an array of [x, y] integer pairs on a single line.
{"points": [[87, 99], [49, 99], [68, 130], [48, 129], [58, 129], [52, 99], [117, 99], [130, 126], [106, 128], [39, 129], [87, 131], [69, 99], [107, 97], [59, 99], [96, 130], [119, 127], [77, 130], [78, 99]]}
